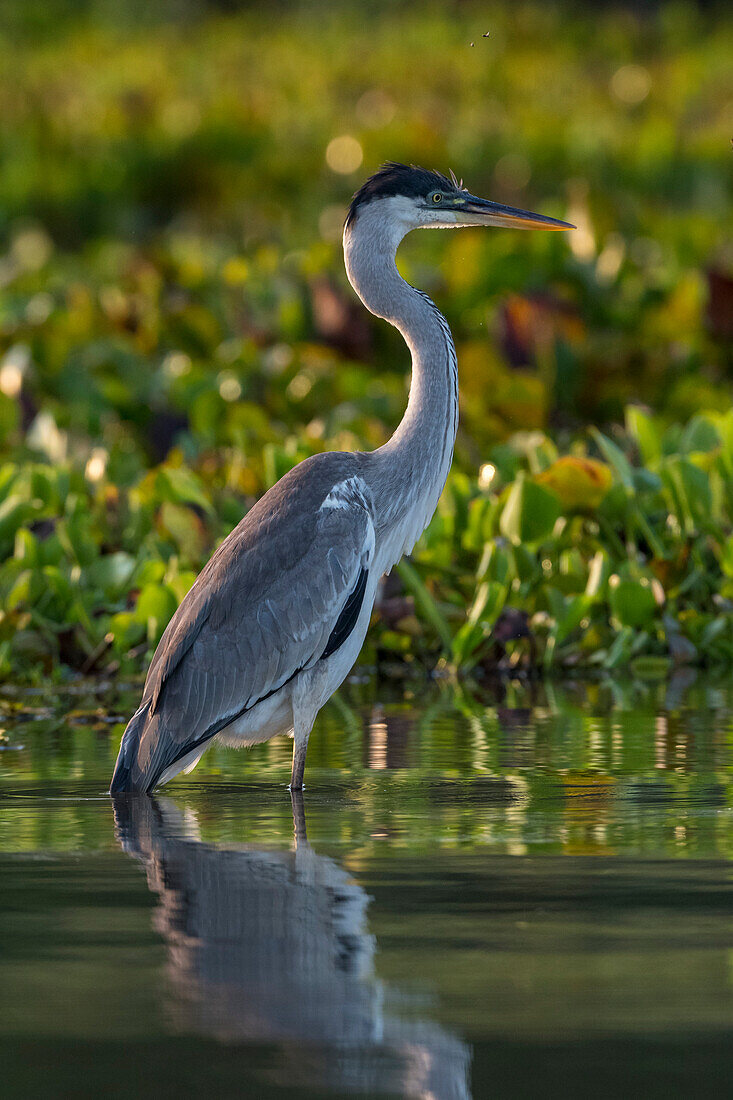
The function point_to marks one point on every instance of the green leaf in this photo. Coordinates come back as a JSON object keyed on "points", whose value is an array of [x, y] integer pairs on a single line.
{"points": [[689, 488], [8, 477], [150, 572], [478, 526], [156, 605], [111, 572], [496, 564], [615, 458], [58, 599], [180, 486], [700, 435], [75, 535], [646, 432], [530, 512], [181, 583], [26, 590], [574, 609], [186, 530], [26, 547], [646, 481], [620, 651], [632, 603], [9, 417], [651, 667], [15, 510], [127, 629], [465, 643], [425, 605], [50, 485], [725, 429]]}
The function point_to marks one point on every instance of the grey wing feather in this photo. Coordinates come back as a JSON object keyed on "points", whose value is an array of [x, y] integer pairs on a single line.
{"points": [[262, 609], [263, 618]]}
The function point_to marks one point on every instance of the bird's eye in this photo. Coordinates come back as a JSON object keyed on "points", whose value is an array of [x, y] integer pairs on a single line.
{"points": [[437, 197]]}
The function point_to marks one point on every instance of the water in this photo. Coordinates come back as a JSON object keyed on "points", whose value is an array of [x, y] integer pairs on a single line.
{"points": [[526, 893]]}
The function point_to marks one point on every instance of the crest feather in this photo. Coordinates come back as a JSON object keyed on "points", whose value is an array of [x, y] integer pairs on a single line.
{"points": [[458, 184], [399, 179]]}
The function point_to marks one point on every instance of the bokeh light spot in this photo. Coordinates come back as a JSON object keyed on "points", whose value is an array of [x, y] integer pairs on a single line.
{"points": [[344, 154], [230, 387], [96, 464], [631, 84], [486, 475], [13, 369]]}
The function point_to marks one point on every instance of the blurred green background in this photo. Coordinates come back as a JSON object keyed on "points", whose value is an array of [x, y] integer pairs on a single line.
{"points": [[176, 328]]}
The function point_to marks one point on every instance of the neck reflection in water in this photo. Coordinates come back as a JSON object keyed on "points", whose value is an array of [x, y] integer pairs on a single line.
{"points": [[273, 947]]}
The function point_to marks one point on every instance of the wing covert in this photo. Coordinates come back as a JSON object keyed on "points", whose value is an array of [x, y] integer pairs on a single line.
{"points": [[270, 602]]}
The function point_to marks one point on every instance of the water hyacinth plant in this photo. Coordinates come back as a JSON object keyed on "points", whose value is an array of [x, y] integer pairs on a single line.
{"points": [[619, 553], [176, 330]]}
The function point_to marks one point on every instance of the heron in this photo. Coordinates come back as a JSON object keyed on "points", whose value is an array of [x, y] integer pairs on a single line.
{"points": [[276, 619]]}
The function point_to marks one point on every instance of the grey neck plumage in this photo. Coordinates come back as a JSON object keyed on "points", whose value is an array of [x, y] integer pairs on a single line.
{"points": [[408, 473]]}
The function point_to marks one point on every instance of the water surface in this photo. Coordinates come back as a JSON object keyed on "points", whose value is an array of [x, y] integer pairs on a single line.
{"points": [[523, 893]]}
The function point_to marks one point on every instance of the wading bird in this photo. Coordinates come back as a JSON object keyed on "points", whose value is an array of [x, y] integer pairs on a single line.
{"points": [[276, 619]]}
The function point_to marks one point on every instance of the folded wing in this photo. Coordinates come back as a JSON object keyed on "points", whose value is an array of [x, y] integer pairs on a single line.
{"points": [[282, 592]]}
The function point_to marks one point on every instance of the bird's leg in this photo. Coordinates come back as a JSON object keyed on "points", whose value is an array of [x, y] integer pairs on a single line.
{"points": [[300, 835], [300, 748], [301, 732], [305, 709]]}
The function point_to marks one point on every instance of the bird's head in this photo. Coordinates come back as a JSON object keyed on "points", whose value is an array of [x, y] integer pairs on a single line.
{"points": [[414, 198]]}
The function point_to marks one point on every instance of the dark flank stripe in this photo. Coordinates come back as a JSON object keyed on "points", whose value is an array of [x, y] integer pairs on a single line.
{"points": [[348, 617]]}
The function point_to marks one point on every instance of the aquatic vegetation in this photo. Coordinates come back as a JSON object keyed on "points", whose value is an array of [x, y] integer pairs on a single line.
{"points": [[625, 556], [175, 330], [630, 565]]}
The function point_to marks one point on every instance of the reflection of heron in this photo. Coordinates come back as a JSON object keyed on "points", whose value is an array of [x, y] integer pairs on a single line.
{"points": [[278, 616], [273, 947]]}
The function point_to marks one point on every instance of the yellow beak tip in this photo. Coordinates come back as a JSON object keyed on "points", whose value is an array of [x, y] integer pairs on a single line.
{"points": [[564, 228]]}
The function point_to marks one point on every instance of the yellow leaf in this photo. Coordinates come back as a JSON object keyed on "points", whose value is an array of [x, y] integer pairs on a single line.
{"points": [[579, 482]]}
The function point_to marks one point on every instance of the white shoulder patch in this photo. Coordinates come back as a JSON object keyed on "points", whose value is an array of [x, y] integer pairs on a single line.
{"points": [[353, 492]]}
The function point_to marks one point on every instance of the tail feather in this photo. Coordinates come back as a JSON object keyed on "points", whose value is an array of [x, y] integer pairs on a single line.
{"points": [[129, 777]]}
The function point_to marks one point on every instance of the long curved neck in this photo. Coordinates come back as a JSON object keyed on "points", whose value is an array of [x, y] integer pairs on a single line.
{"points": [[408, 473]]}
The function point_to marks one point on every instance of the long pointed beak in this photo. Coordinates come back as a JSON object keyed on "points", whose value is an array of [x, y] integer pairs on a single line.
{"points": [[475, 211]]}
